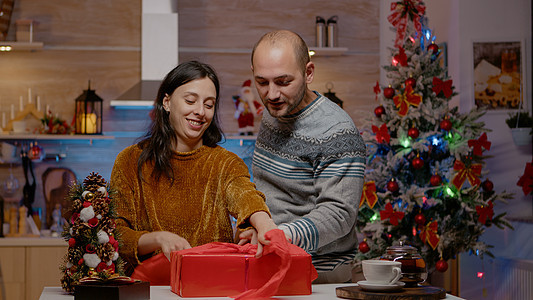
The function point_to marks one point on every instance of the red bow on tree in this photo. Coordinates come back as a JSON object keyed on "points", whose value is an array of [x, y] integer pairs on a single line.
{"points": [[429, 234], [442, 86], [393, 216], [377, 89], [402, 101], [463, 172], [369, 194], [485, 212], [382, 133], [526, 180], [400, 58], [482, 142], [402, 12]]}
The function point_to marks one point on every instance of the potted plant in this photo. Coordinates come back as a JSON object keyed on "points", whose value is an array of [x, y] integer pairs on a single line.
{"points": [[521, 124]]}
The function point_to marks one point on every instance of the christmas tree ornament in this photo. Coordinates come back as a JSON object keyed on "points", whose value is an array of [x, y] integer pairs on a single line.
{"points": [[417, 163], [413, 133], [442, 86], [435, 180], [420, 219], [388, 92], [410, 82], [408, 98], [487, 185], [446, 124], [393, 216], [392, 186], [363, 246], [379, 111], [36, 152], [526, 180], [441, 266], [433, 48], [92, 253], [478, 145]]}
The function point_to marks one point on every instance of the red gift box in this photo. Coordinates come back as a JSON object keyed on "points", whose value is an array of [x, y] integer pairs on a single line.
{"points": [[222, 269]]}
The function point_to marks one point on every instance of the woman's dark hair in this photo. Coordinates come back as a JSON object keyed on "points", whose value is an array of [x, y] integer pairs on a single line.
{"points": [[158, 143]]}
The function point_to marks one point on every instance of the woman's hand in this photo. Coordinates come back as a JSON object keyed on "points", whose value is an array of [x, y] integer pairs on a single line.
{"points": [[262, 223], [164, 240]]}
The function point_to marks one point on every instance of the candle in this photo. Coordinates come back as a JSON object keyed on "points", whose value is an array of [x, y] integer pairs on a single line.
{"points": [[12, 111], [47, 109], [3, 120], [29, 95], [21, 106], [38, 103], [88, 123]]}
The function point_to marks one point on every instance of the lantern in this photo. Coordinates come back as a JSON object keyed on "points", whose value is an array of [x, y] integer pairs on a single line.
{"points": [[331, 95], [88, 115]]}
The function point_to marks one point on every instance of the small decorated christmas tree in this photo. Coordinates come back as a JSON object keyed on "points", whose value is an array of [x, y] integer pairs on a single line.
{"points": [[92, 254], [424, 184]]}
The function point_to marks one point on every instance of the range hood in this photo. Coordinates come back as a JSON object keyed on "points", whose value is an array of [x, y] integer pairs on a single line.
{"points": [[159, 52]]}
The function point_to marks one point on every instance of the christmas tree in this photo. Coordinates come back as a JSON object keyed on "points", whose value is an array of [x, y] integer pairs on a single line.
{"points": [[425, 184], [92, 254]]}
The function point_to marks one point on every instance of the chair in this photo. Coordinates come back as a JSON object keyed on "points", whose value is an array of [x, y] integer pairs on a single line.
{"points": [[56, 185]]}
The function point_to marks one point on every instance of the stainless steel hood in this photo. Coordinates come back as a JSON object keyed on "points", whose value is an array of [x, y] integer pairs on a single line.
{"points": [[159, 52]]}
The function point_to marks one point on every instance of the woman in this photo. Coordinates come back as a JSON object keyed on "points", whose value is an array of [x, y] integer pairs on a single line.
{"points": [[177, 187]]}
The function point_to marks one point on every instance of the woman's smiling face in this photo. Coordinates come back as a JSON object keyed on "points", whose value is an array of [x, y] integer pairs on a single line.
{"points": [[191, 107]]}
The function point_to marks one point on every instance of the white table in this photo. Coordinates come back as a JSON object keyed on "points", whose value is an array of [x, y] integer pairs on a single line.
{"points": [[320, 292]]}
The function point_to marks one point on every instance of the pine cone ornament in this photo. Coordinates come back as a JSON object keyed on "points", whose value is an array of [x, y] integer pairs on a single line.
{"points": [[93, 182]]}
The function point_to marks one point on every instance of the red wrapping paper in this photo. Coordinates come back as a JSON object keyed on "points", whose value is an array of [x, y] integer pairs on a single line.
{"points": [[223, 269]]}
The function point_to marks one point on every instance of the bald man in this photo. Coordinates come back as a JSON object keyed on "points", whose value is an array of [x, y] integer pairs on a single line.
{"points": [[309, 158]]}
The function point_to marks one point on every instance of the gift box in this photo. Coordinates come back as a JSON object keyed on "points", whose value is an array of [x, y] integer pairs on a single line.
{"points": [[134, 291], [222, 269]]}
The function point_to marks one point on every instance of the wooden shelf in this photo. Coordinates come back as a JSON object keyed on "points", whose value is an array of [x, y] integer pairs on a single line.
{"points": [[55, 137], [20, 46], [328, 51], [319, 51]]}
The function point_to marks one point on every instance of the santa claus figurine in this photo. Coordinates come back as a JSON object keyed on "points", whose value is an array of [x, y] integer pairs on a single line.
{"points": [[246, 108]]}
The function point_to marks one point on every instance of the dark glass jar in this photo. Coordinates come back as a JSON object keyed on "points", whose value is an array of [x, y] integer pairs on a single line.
{"points": [[413, 265]]}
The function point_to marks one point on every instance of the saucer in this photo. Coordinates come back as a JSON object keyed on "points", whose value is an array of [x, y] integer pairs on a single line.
{"points": [[365, 285]]}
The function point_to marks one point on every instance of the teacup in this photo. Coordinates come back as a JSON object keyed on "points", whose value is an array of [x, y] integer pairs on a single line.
{"points": [[382, 271]]}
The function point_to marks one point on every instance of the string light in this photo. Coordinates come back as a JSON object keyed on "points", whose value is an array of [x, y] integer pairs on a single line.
{"points": [[480, 275]]}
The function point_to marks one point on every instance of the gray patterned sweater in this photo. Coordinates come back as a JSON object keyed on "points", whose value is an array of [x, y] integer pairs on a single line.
{"points": [[310, 166]]}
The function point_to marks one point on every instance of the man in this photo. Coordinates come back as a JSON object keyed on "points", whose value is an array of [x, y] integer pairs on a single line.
{"points": [[309, 158]]}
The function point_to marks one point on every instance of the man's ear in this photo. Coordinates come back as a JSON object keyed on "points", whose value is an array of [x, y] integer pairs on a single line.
{"points": [[309, 72]]}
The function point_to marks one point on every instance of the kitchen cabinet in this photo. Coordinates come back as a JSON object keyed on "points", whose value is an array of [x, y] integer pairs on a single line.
{"points": [[30, 264]]}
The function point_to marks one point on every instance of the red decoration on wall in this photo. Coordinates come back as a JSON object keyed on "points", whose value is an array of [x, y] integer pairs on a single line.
{"points": [[377, 89], [526, 180], [393, 216]]}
